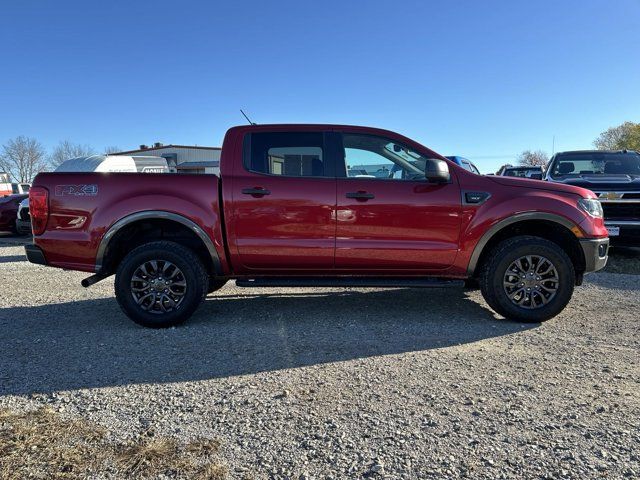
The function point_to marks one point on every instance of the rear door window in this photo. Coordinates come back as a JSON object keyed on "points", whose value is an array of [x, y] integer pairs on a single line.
{"points": [[290, 154]]}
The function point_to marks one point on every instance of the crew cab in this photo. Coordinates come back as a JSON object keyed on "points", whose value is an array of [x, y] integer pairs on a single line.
{"points": [[285, 212], [614, 176]]}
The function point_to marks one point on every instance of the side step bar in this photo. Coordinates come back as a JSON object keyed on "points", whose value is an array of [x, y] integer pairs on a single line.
{"points": [[374, 282]]}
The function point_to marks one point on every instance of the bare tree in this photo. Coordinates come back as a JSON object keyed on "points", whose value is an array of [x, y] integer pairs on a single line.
{"points": [[625, 136], [112, 149], [532, 158], [22, 158], [66, 150]]}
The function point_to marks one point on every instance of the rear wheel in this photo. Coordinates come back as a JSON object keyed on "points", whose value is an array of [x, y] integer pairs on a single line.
{"points": [[160, 284], [528, 279]]}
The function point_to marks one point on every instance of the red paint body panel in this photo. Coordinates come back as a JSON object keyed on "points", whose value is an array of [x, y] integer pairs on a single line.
{"points": [[77, 223], [292, 228], [520, 196], [408, 225], [307, 226]]}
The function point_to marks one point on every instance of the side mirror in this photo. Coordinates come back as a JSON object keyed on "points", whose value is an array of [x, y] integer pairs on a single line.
{"points": [[536, 176], [437, 171]]}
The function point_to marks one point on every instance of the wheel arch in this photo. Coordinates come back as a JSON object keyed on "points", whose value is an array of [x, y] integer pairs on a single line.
{"points": [[135, 223], [541, 224]]}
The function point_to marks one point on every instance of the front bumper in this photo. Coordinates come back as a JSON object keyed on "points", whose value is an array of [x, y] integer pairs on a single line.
{"points": [[629, 232], [596, 253], [35, 254]]}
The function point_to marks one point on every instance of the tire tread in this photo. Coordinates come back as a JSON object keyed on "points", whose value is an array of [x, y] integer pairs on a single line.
{"points": [[490, 267], [202, 281]]}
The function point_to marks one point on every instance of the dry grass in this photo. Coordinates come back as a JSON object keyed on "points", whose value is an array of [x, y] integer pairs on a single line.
{"points": [[41, 445], [624, 260]]}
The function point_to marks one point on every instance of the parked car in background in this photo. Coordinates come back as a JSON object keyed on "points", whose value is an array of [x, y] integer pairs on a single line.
{"points": [[8, 209], [358, 172], [536, 173], [19, 188], [284, 212], [464, 163], [614, 176], [11, 188], [23, 219]]}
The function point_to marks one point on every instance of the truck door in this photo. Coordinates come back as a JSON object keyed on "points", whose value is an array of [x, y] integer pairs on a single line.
{"points": [[284, 200], [388, 216]]}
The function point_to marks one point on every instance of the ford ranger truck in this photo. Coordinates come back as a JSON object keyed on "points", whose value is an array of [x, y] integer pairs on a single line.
{"points": [[284, 212], [614, 176]]}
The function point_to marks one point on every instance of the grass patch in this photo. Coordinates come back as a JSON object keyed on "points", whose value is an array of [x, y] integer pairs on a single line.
{"points": [[623, 260], [40, 444]]}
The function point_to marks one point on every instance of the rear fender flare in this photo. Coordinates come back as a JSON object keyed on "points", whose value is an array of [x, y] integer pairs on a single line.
{"points": [[156, 214]]}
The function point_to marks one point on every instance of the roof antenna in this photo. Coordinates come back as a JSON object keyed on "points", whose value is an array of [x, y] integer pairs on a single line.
{"points": [[245, 116]]}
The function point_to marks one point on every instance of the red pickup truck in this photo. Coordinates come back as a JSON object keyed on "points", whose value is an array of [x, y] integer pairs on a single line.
{"points": [[319, 205]]}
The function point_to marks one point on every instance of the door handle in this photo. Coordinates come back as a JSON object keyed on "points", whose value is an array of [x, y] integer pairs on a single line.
{"points": [[361, 195], [258, 192]]}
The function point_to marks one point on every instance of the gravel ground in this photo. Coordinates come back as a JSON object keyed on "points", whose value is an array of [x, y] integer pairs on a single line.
{"points": [[326, 383]]}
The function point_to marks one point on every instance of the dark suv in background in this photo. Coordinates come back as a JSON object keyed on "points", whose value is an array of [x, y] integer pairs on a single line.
{"points": [[614, 176], [532, 172]]}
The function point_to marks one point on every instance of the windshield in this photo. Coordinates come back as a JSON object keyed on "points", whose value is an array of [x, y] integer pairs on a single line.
{"points": [[596, 163]]}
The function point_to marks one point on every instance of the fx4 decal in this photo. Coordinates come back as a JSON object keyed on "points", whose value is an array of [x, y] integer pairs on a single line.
{"points": [[77, 190]]}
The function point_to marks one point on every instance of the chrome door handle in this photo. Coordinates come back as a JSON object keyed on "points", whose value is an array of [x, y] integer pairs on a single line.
{"points": [[361, 195], [258, 192]]}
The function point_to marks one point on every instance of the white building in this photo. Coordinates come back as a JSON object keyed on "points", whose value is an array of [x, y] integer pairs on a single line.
{"points": [[183, 158]]}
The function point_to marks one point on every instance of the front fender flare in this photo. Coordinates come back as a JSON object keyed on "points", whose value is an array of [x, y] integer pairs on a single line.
{"points": [[520, 217]]}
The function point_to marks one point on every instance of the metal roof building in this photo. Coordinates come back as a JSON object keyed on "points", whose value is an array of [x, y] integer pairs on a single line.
{"points": [[183, 158]]}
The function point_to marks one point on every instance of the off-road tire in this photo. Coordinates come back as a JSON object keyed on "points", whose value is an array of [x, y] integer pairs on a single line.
{"points": [[508, 251], [191, 267]]}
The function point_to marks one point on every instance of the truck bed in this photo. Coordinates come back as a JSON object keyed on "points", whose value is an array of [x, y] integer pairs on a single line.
{"points": [[83, 206]]}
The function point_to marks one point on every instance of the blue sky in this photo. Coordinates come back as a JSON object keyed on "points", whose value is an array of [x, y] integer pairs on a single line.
{"points": [[484, 80]]}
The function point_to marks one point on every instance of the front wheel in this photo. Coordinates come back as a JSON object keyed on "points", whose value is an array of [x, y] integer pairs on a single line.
{"points": [[160, 284], [528, 279]]}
